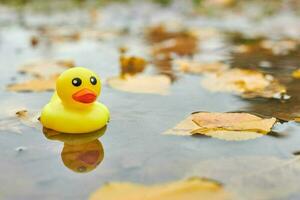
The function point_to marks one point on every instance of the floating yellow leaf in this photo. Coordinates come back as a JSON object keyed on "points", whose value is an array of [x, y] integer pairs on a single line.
{"points": [[185, 127], [226, 126], [46, 68], [190, 189], [199, 68], [34, 85], [247, 83], [296, 73], [22, 117], [30, 119], [282, 47], [45, 73], [155, 84], [132, 65]]}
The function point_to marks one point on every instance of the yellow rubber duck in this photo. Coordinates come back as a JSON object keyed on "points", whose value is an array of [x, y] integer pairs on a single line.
{"points": [[73, 107]]}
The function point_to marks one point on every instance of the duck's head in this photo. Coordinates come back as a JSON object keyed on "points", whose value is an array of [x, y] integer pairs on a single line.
{"points": [[78, 87]]}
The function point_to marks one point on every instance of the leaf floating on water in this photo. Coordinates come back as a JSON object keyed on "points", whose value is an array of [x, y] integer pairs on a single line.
{"points": [[185, 127], [246, 83], [155, 84], [296, 73], [30, 119], [34, 85], [46, 68], [190, 189], [22, 117], [226, 126], [132, 65], [45, 72], [282, 47], [194, 67]]}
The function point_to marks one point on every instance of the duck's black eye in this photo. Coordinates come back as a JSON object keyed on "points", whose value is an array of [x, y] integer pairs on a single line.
{"points": [[93, 80], [76, 82]]}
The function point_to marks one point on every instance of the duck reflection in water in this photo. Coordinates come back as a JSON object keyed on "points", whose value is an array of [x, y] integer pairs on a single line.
{"points": [[81, 152]]}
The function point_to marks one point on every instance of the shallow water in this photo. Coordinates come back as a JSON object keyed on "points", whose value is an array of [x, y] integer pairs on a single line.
{"points": [[134, 148]]}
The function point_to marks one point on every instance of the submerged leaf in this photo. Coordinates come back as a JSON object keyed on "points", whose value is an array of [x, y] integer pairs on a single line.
{"points": [[226, 126], [190, 189], [156, 84], [247, 83]]}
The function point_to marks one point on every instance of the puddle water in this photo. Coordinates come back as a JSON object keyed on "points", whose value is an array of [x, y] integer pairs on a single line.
{"points": [[34, 167]]}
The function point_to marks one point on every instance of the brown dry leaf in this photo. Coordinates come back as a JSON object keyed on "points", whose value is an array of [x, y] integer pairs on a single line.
{"points": [[27, 118], [219, 3], [296, 73], [34, 85], [22, 117], [247, 83], [190, 189], [165, 43], [160, 33], [46, 68], [186, 45], [282, 47], [226, 126], [58, 34], [132, 65], [199, 68], [151, 84], [297, 119]]}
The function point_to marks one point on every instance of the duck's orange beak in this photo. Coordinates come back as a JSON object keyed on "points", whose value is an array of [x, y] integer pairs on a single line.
{"points": [[84, 96]]}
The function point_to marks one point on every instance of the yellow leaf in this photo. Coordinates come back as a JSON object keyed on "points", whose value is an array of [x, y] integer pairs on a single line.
{"points": [[296, 73], [132, 65], [190, 189], [34, 85], [247, 83], [156, 84], [199, 68], [185, 127], [226, 126], [46, 68], [21, 117]]}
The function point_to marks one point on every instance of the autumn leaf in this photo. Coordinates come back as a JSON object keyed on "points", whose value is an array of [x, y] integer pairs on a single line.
{"points": [[194, 67], [22, 117], [46, 68], [246, 83], [150, 84], [45, 73], [131, 65], [34, 85], [190, 189], [226, 126], [296, 73], [282, 47]]}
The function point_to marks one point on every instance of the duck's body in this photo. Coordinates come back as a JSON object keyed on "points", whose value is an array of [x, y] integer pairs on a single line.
{"points": [[78, 114]]}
